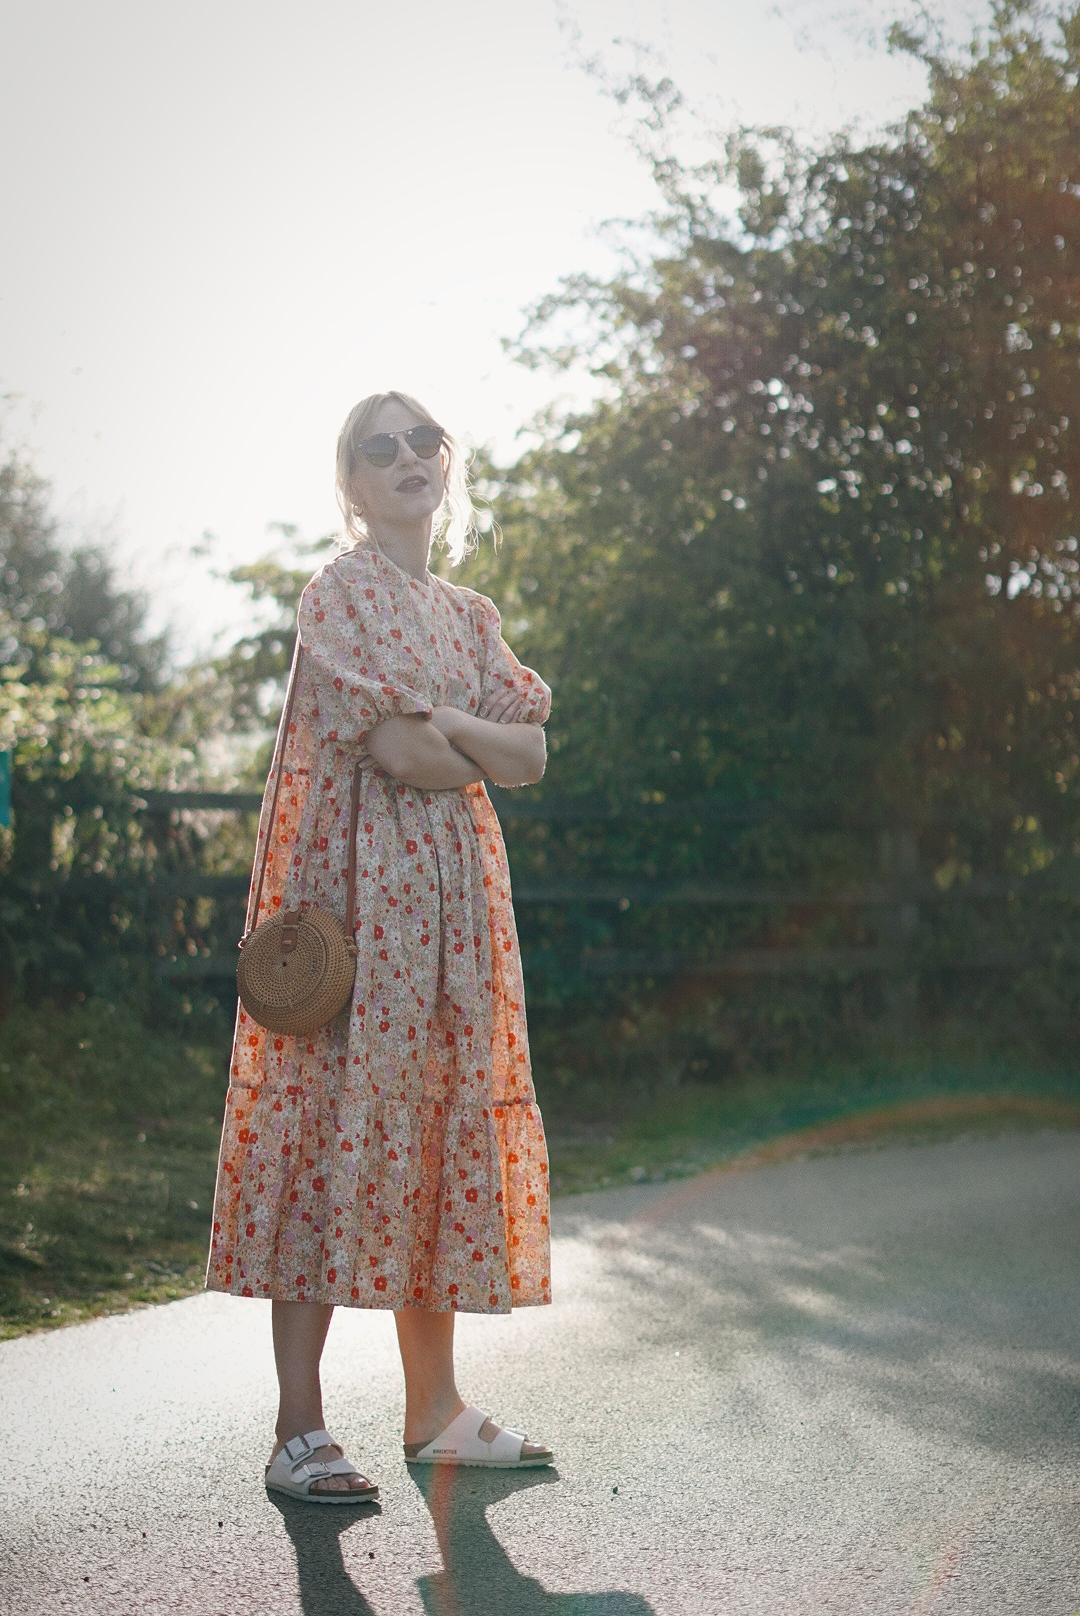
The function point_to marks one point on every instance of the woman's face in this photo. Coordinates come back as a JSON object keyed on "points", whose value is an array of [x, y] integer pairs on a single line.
{"points": [[404, 493]]}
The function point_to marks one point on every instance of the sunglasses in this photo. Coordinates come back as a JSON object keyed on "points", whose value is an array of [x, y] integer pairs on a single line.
{"points": [[382, 449]]}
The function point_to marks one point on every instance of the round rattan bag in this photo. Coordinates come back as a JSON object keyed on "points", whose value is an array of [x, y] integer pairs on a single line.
{"points": [[296, 971]]}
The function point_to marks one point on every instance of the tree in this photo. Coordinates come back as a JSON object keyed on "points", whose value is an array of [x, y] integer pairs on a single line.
{"points": [[255, 668], [817, 544], [79, 692], [71, 594]]}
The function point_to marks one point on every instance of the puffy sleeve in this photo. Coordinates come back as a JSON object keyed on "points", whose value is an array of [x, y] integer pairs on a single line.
{"points": [[501, 670], [361, 667]]}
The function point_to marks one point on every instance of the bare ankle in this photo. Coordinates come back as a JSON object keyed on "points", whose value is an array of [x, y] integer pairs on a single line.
{"points": [[423, 1421], [286, 1429]]}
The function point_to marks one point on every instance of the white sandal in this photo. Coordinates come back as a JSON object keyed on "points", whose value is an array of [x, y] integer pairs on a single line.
{"points": [[464, 1443], [294, 1472]]}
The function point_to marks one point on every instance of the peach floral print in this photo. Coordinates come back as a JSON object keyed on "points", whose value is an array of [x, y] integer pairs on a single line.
{"points": [[397, 1157]]}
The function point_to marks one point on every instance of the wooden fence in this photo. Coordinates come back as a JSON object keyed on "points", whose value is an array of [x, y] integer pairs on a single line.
{"points": [[898, 901]]}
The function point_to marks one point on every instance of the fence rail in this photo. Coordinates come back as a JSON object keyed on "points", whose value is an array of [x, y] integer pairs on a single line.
{"points": [[734, 962], [898, 900], [237, 802], [511, 805], [508, 805], [710, 892]]}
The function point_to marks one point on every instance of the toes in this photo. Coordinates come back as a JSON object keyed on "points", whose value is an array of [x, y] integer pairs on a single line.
{"points": [[529, 1450], [341, 1484]]}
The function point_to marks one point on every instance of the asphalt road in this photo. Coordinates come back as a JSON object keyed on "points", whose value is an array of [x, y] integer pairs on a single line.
{"points": [[848, 1384]]}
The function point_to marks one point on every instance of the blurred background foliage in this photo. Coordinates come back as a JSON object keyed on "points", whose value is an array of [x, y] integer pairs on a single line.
{"points": [[816, 548], [805, 581]]}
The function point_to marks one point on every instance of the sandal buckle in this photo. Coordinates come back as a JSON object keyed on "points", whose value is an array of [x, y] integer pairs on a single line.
{"points": [[296, 1448]]}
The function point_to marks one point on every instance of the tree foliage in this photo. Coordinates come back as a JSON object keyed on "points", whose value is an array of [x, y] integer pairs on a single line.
{"points": [[70, 595], [255, 668], [817, 544], [832, 488], [94, 720]]}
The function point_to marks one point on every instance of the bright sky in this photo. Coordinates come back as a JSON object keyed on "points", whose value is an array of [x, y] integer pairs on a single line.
{"points": [[227, 221]]}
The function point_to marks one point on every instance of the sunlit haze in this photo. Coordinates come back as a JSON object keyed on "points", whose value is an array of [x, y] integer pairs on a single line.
{"points": [[225, 223]]}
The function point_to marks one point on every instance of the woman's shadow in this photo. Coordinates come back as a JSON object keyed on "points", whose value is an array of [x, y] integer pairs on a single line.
{"points": [[326, 1589], [479, 1578]]}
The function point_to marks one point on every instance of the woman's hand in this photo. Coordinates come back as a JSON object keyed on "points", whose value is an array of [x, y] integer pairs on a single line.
{"points": [[506, 708], [508, 752]]}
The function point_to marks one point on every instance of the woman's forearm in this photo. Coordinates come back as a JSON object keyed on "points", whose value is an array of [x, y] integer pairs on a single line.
{"points": [[415, 751], [508, 754]]}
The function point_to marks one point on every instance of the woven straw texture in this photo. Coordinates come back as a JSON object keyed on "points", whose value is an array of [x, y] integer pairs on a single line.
{"points": [[299, 991]]}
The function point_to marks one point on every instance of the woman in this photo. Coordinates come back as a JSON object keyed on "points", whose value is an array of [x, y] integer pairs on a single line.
{"points": [[396, 1159]]}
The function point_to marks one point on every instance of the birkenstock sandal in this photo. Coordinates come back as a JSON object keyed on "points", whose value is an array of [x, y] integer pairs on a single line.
{"points": [[294, 1472], [474, 1439]]}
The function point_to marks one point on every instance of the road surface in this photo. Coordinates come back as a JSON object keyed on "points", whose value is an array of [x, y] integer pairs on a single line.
{"points": [[849, 1383]]}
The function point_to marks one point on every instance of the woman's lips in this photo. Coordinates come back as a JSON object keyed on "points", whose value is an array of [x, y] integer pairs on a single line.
{"points": [[407, 484]]}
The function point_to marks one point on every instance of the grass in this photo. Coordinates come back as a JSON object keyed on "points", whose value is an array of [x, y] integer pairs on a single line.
{"points": [[107, 1157], [110, 1134], [696, 1129]]}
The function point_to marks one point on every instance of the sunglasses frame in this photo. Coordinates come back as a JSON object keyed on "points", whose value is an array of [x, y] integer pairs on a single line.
{"points": [[406, 433]]}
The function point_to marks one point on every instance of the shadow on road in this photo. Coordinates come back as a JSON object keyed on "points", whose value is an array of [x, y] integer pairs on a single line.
{"points": [[326, 1589], [479, 1578], [939, 1282]]}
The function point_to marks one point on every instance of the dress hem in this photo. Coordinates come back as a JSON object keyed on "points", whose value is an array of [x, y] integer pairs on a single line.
{"points": [[389, 1306]]}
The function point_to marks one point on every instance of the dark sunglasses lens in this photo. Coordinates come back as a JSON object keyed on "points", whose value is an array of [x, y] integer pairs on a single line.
{"points": [[381, 450], [424, 441]]}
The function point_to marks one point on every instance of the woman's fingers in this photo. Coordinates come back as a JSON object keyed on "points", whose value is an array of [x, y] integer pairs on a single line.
{"points": [[503, 709]]}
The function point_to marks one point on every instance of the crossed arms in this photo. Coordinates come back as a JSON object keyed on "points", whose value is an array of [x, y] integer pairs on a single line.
{"points": [[453, 749]]}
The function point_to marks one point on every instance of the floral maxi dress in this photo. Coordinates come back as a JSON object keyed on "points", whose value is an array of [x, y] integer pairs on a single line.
{"points": [[396, 1158]]}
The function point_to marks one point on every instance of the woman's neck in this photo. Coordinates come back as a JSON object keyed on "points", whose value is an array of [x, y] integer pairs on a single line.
{"points": [[407, 547]]}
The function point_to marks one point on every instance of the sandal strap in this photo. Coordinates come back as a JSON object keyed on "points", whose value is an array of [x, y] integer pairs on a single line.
{"points": [[298, 1447], [462, 1441]]}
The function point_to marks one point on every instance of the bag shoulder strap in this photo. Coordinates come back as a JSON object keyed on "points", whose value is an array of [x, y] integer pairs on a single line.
{"points": [[354, 806], [350, 885], [278, 765]]}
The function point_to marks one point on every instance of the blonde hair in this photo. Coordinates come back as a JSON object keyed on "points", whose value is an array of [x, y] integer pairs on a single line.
{"points": [[455, 525]]}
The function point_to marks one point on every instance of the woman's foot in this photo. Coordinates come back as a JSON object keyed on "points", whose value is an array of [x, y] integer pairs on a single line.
{"points": [[473, 1438], [439, 1427], [328, 1484]]}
